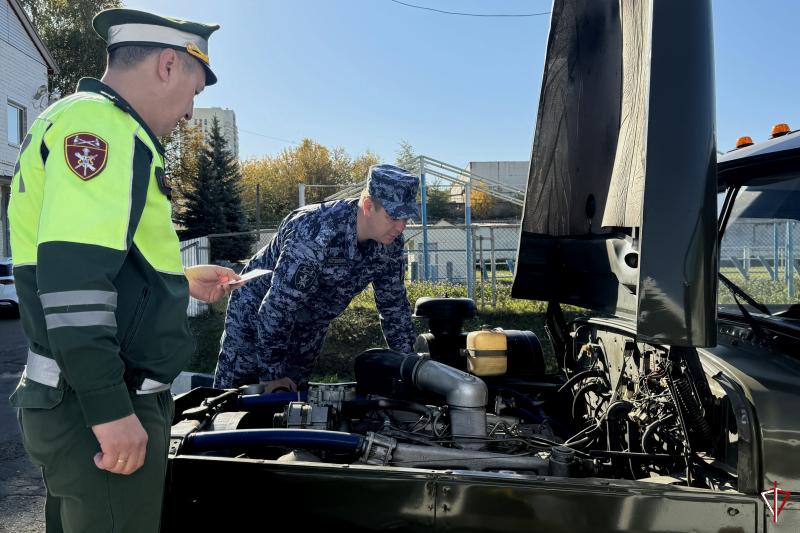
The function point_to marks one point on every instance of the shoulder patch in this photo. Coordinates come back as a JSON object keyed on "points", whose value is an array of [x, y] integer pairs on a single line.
{"points": [[86, 154], [304, 277]]}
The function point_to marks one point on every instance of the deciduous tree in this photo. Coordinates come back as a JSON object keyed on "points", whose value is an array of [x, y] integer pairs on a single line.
{"points": [[278, 178], [65, 27], [482, 204]]}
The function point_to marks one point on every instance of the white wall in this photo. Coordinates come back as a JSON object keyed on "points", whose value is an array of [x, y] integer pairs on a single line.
{"points": [[22, 72]]}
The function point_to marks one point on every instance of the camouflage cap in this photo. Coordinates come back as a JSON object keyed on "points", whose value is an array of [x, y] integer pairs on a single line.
{"points": [[396, 188], [122, 26]]}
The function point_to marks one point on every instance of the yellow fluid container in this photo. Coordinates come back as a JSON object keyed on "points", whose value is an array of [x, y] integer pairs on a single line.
{"points": [[486, 352]]}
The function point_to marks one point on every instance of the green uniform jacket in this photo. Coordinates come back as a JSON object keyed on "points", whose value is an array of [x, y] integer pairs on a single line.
{"points": [[97, 261]]}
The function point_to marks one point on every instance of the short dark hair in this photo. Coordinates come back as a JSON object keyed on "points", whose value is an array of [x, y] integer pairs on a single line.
{"points": [[129, 56], [376, 202]]}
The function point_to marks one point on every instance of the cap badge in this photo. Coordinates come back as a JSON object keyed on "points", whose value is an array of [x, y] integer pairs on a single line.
{"points": [[194, 50]]}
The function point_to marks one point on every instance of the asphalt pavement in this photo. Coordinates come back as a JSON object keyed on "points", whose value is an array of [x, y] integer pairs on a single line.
{"points": [[21, 489]]}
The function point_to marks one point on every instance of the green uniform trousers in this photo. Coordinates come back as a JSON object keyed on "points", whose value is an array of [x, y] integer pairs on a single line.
{"points": [[81, 497]]}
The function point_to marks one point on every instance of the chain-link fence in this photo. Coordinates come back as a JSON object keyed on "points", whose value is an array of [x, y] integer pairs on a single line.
{"points": [[482, 267], [763, 257], [480, 256], [195, 252]]}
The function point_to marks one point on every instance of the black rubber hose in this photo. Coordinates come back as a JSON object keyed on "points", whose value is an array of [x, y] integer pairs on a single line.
{"points": [[619, 405], [594, 386], [614, 412], [591, 436], [591, 373], [651, 429]]}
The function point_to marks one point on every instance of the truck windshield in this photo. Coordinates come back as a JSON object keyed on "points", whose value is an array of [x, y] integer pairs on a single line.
{"points": [[760, 249]]}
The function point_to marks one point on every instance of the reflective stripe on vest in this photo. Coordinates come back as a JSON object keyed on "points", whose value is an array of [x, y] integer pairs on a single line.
{"points": [[44, 370]]}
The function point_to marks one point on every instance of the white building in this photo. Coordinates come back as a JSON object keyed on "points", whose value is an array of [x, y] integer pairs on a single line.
{"points": [[25, 63], [204, 116], [512, 174], [447, 249]]}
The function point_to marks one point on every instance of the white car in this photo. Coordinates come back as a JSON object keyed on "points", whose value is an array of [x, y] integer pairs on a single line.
{"points": [[8, 291]]}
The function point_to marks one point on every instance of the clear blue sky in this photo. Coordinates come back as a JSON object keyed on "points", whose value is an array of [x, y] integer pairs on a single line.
{"points": [[364, 74]]}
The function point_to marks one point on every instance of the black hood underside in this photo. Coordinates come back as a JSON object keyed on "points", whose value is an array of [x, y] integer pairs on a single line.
{"points": [[620, 211]]}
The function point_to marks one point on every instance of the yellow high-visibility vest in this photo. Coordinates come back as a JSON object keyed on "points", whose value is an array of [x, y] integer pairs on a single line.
{"points": [[97, 261]]}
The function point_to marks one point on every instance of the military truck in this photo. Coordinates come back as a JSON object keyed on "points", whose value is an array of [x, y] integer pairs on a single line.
{"points": [[665, 411]]}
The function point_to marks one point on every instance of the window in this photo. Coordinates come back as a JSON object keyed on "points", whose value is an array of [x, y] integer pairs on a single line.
{"points": [[760, 249], [15, 121]]}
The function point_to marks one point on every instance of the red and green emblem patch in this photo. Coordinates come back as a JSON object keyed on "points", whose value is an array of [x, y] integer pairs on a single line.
{"points": [[86, 154]]}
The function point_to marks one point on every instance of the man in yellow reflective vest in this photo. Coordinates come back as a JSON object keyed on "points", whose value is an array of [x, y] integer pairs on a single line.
{"points": [[103, 294]]}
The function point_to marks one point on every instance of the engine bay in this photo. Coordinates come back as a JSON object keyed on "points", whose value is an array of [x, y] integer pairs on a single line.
{"points": [[484, 401]]}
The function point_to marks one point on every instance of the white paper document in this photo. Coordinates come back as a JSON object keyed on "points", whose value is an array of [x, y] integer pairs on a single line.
{"points": [[250, 275]]}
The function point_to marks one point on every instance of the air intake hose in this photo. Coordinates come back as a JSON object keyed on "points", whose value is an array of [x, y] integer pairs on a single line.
{"points": [[384, 372]]}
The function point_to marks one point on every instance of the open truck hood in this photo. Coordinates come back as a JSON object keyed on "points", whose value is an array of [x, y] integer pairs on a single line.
{"points": [[620, 210]]}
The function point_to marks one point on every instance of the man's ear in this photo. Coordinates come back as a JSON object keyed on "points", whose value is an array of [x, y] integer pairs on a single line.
{"points": [[167, 63], [368, 205]]}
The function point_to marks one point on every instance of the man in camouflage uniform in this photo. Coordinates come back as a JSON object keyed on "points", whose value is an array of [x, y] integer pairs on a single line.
{"points": [[322, 256]]}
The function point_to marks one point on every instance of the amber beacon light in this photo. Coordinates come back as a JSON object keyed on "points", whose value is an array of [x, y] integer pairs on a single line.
{"points": [[780, 129], [743, 141]]}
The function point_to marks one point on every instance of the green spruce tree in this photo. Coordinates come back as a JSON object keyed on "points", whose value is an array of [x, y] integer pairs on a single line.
{"points": [[214, 205]]}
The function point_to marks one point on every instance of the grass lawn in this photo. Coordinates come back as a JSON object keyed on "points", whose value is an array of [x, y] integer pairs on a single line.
{"points": [[760, 286], [358, 328]]}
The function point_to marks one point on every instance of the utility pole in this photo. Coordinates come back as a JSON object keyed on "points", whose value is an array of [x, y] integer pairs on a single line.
{"points": [[258, 206]]}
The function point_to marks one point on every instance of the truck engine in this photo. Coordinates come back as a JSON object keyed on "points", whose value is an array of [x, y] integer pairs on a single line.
{"points": [[604, 406]]}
